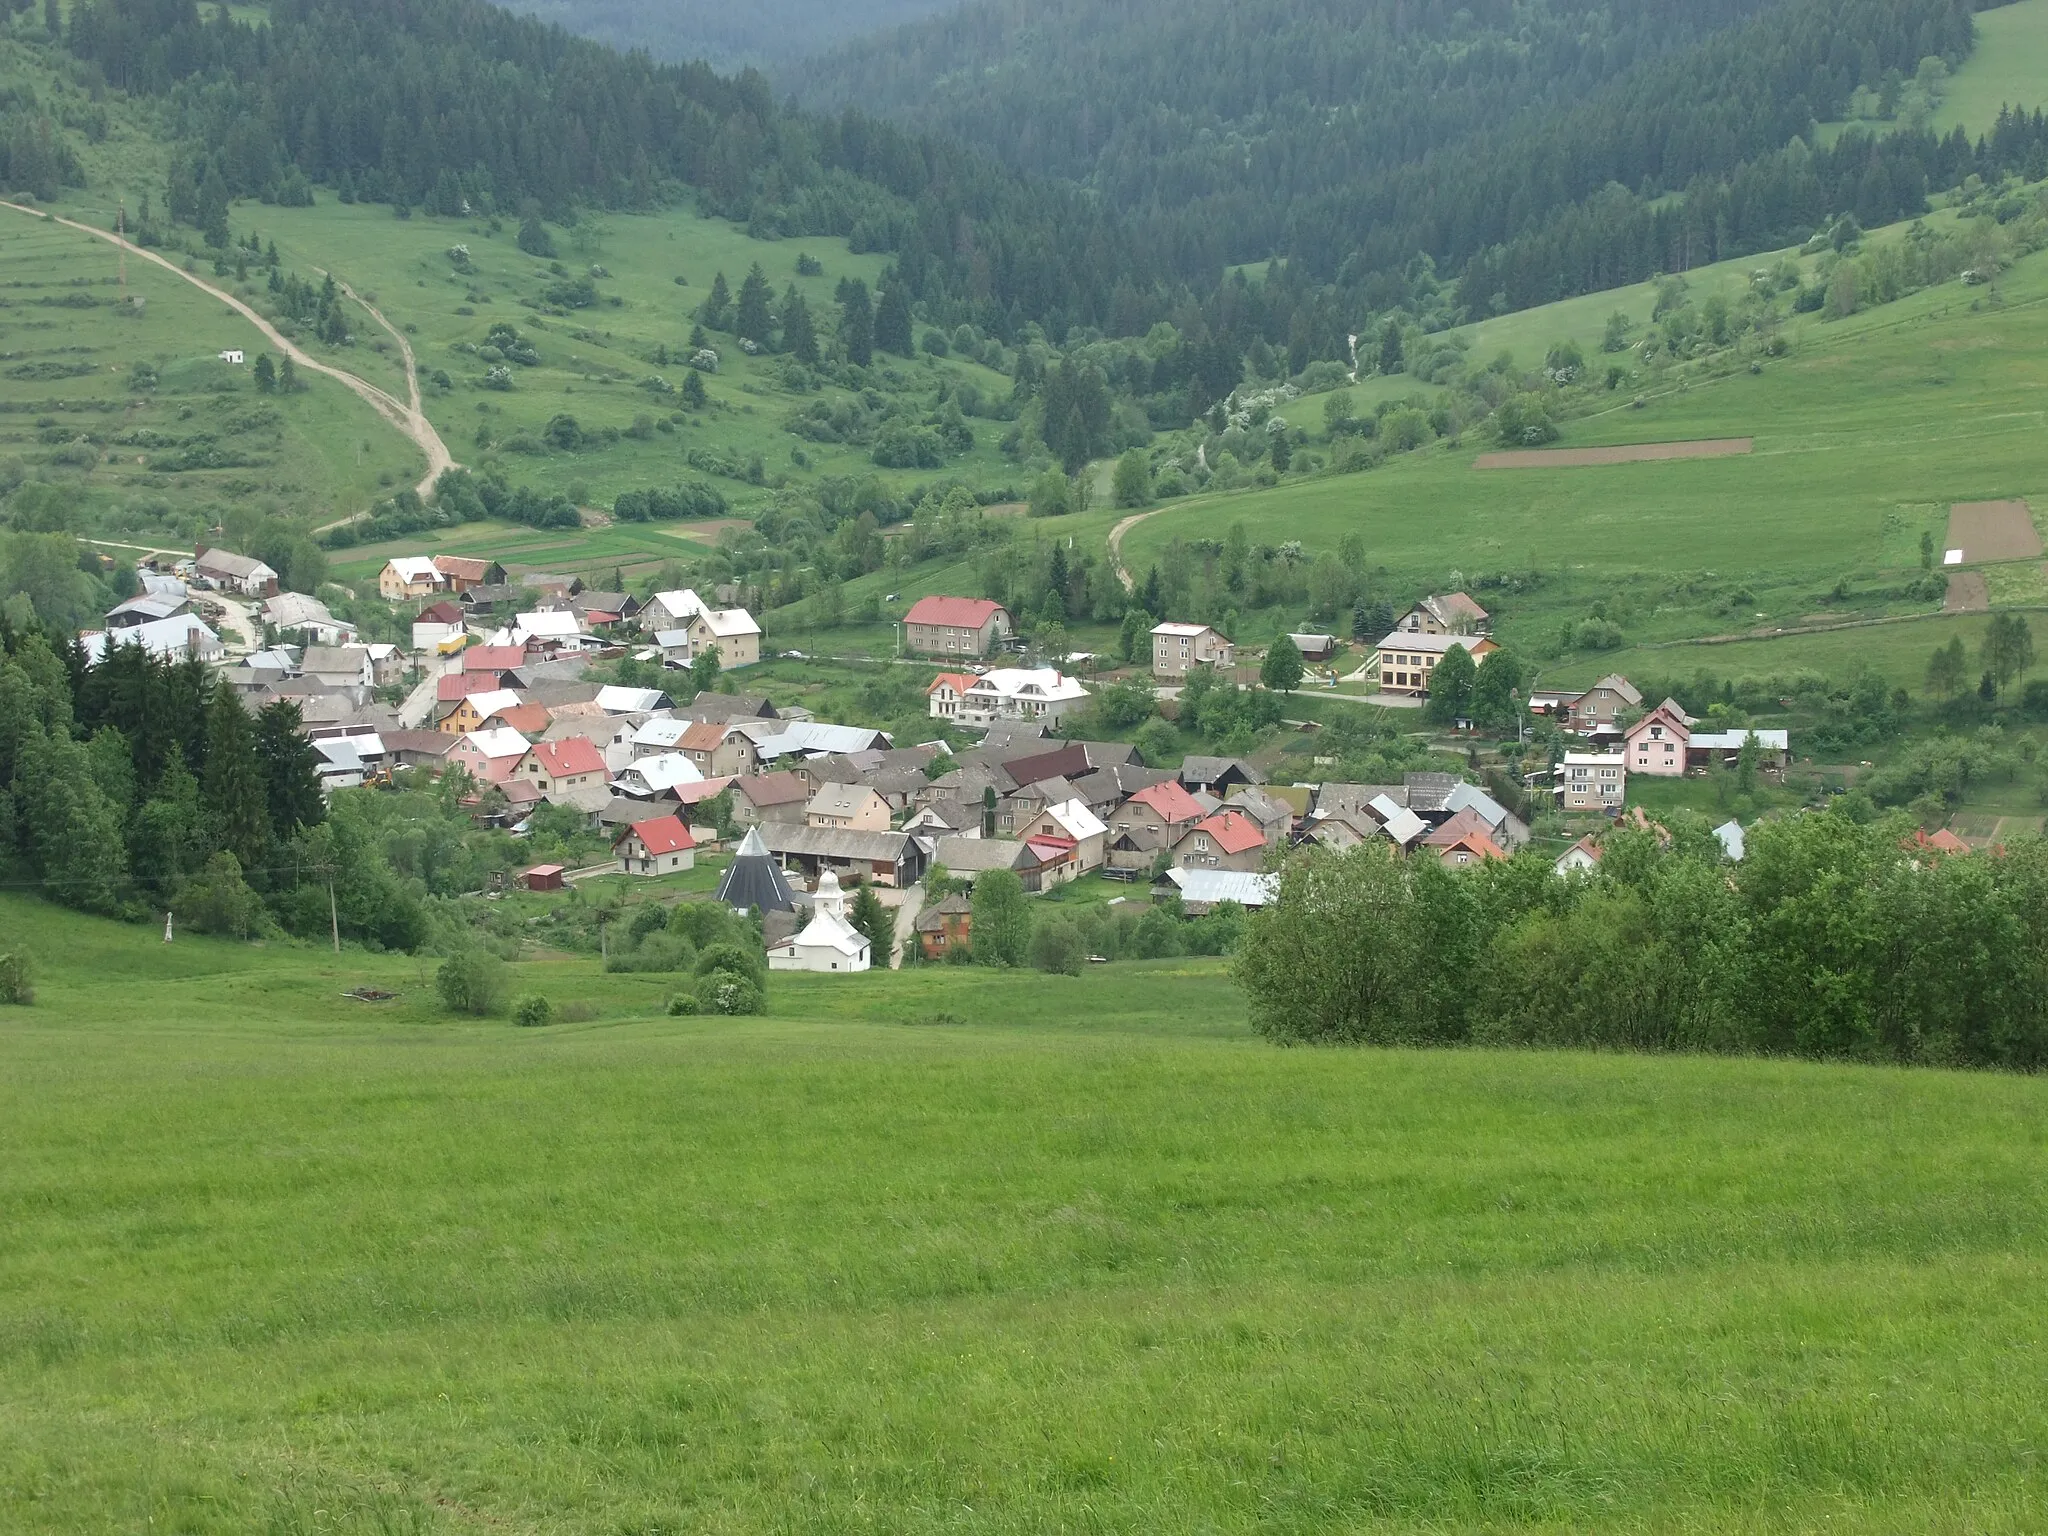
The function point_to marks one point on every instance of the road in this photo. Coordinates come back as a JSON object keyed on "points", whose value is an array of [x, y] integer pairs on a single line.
{"points": [[1116, 545], [906, 924], [406, 416]]}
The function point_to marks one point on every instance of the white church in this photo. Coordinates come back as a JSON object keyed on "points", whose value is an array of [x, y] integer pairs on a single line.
{"points": [[828, 942]]}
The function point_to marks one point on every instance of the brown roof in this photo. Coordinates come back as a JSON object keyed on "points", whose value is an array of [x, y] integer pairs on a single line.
{"points": [[1457, 829], [462, 567], [1069, 760], [703, 736], [572, 754], [773, 789], [527, 719]]}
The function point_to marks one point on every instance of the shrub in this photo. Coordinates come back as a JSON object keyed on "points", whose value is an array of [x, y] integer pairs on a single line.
{"points": [[471, 981], [1056, 947], [682, 1004], [531, 1011], [219, 901], [17, 980], [734, 959], [731, 994]]}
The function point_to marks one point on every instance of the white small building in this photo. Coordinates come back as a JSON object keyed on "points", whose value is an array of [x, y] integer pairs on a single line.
{"points": [[828, 941], [231, 355], [1043, 695], [1593, 781]]}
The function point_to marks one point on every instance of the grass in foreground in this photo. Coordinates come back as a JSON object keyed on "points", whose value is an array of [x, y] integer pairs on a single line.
{"points": [[1095, 1260]]}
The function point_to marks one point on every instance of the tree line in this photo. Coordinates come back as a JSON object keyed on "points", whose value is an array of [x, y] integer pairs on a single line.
{"points": [[1834, 937]]}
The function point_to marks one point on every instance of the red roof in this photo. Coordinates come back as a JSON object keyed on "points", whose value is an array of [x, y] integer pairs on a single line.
{"points": [[527, 719], [705, 789], [954, 612], [1234, 831], [452, 686], [572, 754], [664, 834], [1171, 800], [1943, 841], [961, 681], [1478, 844], [493, 658]]}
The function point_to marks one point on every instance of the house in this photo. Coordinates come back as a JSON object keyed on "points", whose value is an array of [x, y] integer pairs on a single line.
{"points": [[770, 797], [493, 658], [650, 778], [601, 610], [1272, 809], [491, 757], [549, 629], [1064, 761], [717, 749], [339, 666], [946, 926], [659, 846], [1401, 826], [1502, 825], [231, 355], [611, 699], [406, 578], [786, 743], [1072, 823], [1222, 840], [492, 597], [149, 607], [179, 639], [1583, 857], [735, 707], [1451, 614], [853, 806], [1178, 649], [1595, 711], [418, 749], [1218, 775], [1470, 848], [1656, 743], [1107, 788], [1201, 890], [1150, 820], [294, 613], [670, 611], [944, 818], [462, 574], [945, 693], [556, 766], [473, 709], [828, 942], [1405, 661], [438, 625], [1316, 648], [1593, 781], [886, 858], [1042, 694], [228, 572], [1706, 749], [955, 626], [731, 632], [969, 858], [754, 882]]}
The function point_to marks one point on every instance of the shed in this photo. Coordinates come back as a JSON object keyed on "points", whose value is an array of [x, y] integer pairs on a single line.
{"points": [[543, 877]]}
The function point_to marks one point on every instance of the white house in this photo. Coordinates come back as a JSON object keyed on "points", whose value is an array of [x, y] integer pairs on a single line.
{"points": [[226, 571], [1593, 781], [670, 611], [646, 778], [661, 846], [231, 355], [1038, 694], [295, 613], [172, 639], [828, 941], [562, 627], [731, 632], [1072, 822]]}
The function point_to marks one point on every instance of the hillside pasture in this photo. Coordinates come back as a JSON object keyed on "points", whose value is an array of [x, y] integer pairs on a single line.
{"points": [[1621, 453], [951, 1249]]}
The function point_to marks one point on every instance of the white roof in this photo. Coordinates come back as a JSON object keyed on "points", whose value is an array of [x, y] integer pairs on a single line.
{"points": [[1385, 807], [1596, 759], [162, 584], [1044, 683], [489, 703], [1770, 741], [151, 605], [1411, 640], [412, 568], [1244, 887], [726, 622], [1080, 822], [288, 610], [381, 650], [549, 624], [1733, 842], [1404, 826], [1189, 630], [614, 700], [672, 639], [682, 602], [174, 638], [781, 738], [665, 770], [828, 930], [662, 731], [501, 742]]}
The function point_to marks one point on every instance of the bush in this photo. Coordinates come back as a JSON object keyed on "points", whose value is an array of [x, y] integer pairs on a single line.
{"points": [[731, 994], [682, 1004], [220, 902], [531, 1011], [17, 980], [471, 981], [1056, 947]]}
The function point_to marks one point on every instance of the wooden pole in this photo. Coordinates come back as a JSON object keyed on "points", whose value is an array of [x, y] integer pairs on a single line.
{"points": [[333, 915]]}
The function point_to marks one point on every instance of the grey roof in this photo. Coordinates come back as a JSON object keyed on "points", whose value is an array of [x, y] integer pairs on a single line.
{"points": [[1207, 770], [1429, 791], [836, 842], [840, 799], [971, 855], [1734, 842], [1244, 887], [1107, 786], [933, 917], [728, 706], [1342, 799], [753, 879]]}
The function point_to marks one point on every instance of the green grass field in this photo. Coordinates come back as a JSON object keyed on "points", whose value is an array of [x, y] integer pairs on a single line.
{"points": [[1094, 1261], [1864, 435], [2009, 67], [73, 411]]}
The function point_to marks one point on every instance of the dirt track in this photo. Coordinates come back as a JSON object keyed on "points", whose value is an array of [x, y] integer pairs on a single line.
{"points": [[406, 416], [1625, 453], [1993, 530]]}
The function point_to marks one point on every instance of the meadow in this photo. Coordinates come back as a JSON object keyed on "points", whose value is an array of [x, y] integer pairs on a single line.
{"points": [[1864, 434], [132, 407], [1094, 1259]]}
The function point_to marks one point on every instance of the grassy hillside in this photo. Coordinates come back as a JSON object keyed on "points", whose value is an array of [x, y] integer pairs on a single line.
{"points": [[2009, 67], [282, 1261], [1864, 435]]}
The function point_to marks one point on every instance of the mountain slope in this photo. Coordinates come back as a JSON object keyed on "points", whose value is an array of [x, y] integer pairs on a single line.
{"points": [[763, 32]]}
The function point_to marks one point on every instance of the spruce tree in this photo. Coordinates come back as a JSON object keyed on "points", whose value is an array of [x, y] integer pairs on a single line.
{"points": [[712, 310], [232, 787], [291, 785], [266, 374], [856, 323], [751, 319], [877, 923], [892, 319], [799, 337]]}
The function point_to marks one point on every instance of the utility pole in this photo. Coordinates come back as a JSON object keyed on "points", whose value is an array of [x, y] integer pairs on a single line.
{"points": [[333, 914], [121, 248]]}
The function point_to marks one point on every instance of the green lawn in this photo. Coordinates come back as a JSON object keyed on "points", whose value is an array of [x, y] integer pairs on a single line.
{"points": [[2009, 67], [1094, 1260]]}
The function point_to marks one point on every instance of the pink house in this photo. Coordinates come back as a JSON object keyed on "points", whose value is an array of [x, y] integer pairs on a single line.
{"points": [[1656, 743], [492, 757]]}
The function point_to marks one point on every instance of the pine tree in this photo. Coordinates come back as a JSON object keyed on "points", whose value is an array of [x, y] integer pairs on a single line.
{"points": [[892, 319], [288, 376], [266, 374], [712, 310], [799, 337], [751, 319], [877, 923], [693, 390], [232, 787], [291, 782], [856, 323]]}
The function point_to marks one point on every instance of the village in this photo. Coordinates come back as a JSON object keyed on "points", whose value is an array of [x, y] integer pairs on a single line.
{"points": [[498, 683]]}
